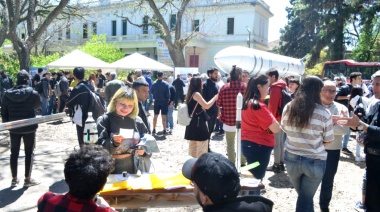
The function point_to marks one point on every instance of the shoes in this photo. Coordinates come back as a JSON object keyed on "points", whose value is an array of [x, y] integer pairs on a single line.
{"points": [[30, 183], [282, 167], [359, 159], [360, 207], [14, 183], [164, 132], [219, 134], [274, 168], [346, 151], [170, 132], [154, 131]]}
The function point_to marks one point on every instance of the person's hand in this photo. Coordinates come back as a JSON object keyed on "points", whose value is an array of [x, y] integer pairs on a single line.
{"points": [[101, 202], [117, 138], [352, 122], [348, 97]]}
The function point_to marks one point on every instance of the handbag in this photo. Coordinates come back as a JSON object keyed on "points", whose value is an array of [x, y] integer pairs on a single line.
{"points": [[183, 117], [77, 118]]}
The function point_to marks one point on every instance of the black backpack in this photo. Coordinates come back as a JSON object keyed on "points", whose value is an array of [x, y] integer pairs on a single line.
{"points": [[286, 97], [97, 104]]}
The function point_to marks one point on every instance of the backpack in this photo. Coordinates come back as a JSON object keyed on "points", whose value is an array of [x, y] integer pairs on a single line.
{"points": [[286, 97], [39, 88], [183, 117], [57, 89], [96, 106]]}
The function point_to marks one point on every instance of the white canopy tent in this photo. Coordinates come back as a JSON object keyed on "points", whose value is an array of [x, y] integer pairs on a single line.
{"points": [[78, 58], [138, 61]]}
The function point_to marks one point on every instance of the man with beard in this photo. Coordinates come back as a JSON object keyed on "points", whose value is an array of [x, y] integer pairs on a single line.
{"points": [[216, 185], [210, 89]]}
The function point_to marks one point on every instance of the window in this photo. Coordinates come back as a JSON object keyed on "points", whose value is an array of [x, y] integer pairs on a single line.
{"points": [[68, 31], [94, 28], [124, 26], [145, 24], [85, 31], [173, 20], [195, 26], [230, 26], [113, 28]]}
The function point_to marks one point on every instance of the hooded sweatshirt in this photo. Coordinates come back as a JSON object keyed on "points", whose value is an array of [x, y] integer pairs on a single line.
{"points": [[275, 100], [19, 103], [246, 203]]}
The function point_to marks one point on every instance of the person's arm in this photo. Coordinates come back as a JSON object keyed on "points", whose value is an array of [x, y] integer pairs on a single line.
{"points": [[339, 129], [4, 111], [37, 100], [205, 105], [104, 135], [274, 101], [275, 127]]}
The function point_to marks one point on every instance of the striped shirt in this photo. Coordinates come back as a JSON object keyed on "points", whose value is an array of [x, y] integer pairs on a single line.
{"points": [[308, 141]]}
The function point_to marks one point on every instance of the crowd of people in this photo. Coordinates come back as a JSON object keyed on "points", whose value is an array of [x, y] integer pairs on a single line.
{"points": [[307, 135]]}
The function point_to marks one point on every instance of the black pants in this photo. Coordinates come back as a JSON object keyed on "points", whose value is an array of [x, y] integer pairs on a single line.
{"points": [[178, 96], [62, 104], [80, 135], [372, 196], [29, 145]]}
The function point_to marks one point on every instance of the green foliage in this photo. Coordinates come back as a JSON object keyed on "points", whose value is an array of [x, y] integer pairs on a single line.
{"points": [[368, 49], [315, 71], [98, 47], [41, 60], [9, 63]]}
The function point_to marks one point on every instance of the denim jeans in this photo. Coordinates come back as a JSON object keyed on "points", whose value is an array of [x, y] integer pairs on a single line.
{"points": [[146, 104], [328, 178], [44, 107], [169, 118], [51, 105], [305, 174], [279, 148], [346, 138]]}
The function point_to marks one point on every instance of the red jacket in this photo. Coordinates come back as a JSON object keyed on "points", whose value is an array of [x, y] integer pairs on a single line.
{"points": [[275, 99]]}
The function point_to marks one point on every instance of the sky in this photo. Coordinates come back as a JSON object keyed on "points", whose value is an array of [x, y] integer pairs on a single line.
{"points": [[279, 19]]}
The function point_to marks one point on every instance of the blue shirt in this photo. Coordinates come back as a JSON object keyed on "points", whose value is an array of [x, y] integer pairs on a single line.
{"points": [[149, 81], [160, 91]]}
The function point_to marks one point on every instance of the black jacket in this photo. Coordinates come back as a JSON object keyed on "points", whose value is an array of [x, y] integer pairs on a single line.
{"points": [[45, 87], [178, 85], [19, 103], [80, 95], [172, 93], [246, 203], [64, 86], [210, 89]]}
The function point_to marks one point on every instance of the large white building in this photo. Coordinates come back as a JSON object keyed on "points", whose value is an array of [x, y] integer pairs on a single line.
{"points": [[217, 24]]}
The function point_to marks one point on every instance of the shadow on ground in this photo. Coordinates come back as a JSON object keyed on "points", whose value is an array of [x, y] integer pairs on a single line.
{"points": [[59, 187], [10, 195], [280, 180]]}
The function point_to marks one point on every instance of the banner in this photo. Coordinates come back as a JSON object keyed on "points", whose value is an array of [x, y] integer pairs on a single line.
{"points": [[163, 55]]}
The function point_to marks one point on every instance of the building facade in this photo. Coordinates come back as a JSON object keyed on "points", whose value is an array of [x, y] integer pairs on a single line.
{"points": [[212, 24]]}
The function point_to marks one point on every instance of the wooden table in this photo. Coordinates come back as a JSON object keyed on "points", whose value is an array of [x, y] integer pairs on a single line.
{"points": [[157, 198]]}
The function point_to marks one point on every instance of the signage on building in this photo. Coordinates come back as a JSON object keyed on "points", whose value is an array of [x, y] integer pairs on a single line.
{"points": [[163, 55]]}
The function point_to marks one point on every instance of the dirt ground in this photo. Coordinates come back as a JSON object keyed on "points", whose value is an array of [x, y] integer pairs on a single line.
{"points": [[173, 153]]}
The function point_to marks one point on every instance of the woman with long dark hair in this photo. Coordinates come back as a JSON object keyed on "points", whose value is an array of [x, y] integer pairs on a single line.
{"points": [[309, 127], [197, 131], [258, 126]]}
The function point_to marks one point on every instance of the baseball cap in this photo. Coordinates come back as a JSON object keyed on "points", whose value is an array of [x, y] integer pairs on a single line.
{"points": [[376, 74], [215, 176]]}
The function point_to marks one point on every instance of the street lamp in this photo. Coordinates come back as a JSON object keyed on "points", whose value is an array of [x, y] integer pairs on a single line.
{"points": [[249, 37]]}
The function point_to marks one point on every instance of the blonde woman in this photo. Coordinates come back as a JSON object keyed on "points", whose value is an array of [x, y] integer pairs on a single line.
{"points": [[120, 130]]}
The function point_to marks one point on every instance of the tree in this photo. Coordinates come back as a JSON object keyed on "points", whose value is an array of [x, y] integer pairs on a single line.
{"points": [[99, 48], [325, 24], [172, 35]]}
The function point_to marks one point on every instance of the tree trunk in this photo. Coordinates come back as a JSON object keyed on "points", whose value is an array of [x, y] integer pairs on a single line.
{"points": [[23, 53], [177, 56]]}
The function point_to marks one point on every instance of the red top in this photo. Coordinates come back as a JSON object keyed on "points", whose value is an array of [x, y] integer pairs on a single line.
{"points": [[227, 101], [255, 123], [53, 202], [275, 99]]}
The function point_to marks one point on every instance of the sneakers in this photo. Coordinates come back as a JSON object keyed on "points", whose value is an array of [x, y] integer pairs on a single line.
{"points": [[282, 167], [14, 183], [360, 207], [346, 151], [274, 168], [219, 134], [359, 159], [30, 183], [164, 132], [154, 131]]}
